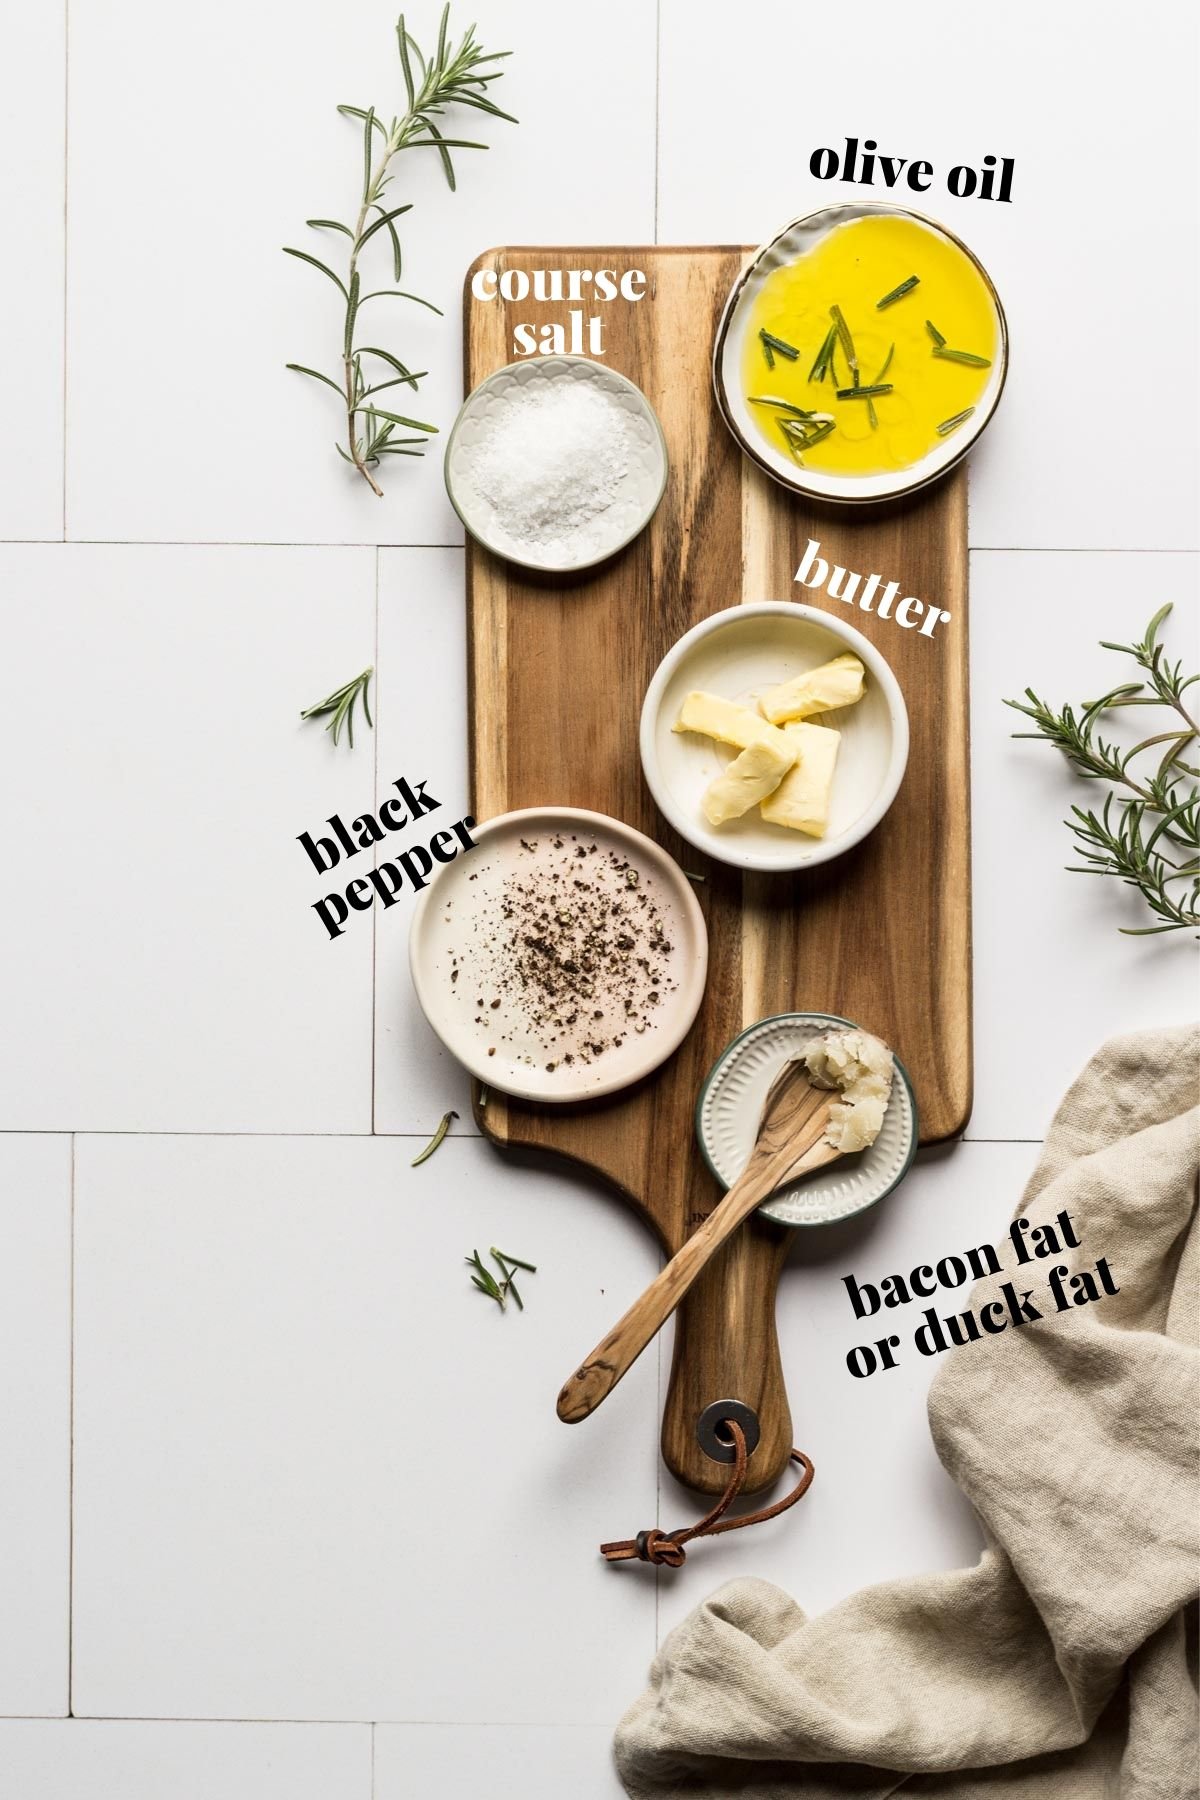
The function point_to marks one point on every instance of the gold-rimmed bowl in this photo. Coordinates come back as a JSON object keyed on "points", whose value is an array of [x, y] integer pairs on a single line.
{"points": [[795, 241]]}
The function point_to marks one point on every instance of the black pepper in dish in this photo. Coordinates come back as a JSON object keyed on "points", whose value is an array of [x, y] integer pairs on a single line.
{"points": [[568, 943]]}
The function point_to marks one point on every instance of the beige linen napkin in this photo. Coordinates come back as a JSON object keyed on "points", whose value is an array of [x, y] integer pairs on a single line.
{"points": [[1061, 1667]]}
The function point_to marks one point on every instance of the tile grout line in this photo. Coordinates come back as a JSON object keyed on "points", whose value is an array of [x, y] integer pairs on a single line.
{"points": [[362, 544], [372, 1760], [71, 1444], [65, 217]]}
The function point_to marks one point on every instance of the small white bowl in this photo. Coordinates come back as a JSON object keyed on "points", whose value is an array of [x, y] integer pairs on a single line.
{"points": [[450, 951], [738, 654], [793, 242], [636, 499]]}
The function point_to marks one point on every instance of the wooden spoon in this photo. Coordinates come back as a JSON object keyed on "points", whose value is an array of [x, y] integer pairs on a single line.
{"points": [[791, 1141]]}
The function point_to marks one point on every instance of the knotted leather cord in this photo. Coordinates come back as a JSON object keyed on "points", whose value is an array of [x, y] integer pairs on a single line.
{"points": [[666, 1548]]}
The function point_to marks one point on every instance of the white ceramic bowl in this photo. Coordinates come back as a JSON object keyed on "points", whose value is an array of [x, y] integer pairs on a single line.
{"points": [[456, 916], [738, 654], [795, 241], [636, 498]]}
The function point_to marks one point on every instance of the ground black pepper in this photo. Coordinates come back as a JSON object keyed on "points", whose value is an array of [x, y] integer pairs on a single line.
{"points": [[563, 935]]}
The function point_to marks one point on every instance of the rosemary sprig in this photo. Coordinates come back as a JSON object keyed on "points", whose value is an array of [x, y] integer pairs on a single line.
{"points": [[434, 1141], [824, 358], [934, 333], [486, 1282], [1147, 832], [340, 706], [451, 77], [962, 356], [898, 293], [952, 424]]}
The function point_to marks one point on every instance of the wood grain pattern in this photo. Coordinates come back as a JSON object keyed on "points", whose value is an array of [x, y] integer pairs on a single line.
{"points": [[558, 667]]}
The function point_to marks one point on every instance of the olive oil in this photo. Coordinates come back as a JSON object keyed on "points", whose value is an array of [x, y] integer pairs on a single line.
{"points": [[894, 334]]}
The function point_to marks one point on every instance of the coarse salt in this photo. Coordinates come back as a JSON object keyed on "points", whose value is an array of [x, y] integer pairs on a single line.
{"points": [[551, 459]]}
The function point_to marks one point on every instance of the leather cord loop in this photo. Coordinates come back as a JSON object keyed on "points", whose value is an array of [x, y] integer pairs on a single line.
{"points": [[665, 1549]]}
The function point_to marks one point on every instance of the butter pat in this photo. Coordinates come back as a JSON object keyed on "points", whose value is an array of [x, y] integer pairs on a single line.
{"points": [[711, 716], [749, 778], [836, 683], [801, 800]]}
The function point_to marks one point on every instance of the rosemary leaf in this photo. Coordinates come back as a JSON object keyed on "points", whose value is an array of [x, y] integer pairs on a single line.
{"points": [[897, 293], [316, 375], [767, 351], [949, 425], [434, 1141], [778, 344], [934, 333], [822, 359], [887, 363], [962, 356], [864, 393], [846, 341], [531, 1268], [770, 400]]}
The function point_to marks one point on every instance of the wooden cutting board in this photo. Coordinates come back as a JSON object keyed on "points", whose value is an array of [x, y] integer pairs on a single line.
{"points": [[558, 668]]}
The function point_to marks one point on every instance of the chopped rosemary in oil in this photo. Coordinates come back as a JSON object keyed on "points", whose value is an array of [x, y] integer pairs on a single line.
{"points": [[865, 393], [962, 356], [824, 356], [771, 343], [949, 425], [846, 341], [934, 333], [898, 293]]}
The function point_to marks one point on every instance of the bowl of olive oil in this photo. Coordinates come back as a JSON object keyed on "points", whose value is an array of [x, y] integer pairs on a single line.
{"points": [[860, 353]]}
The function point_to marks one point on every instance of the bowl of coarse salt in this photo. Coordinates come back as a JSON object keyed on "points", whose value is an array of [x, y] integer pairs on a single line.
{"points": [[556, 463]]}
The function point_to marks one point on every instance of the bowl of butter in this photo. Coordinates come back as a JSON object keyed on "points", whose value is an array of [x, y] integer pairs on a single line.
{"points": [[774, 736]]}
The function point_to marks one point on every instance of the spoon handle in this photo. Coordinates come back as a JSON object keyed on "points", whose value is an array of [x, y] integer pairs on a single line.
{"points": [[596, 1377]]}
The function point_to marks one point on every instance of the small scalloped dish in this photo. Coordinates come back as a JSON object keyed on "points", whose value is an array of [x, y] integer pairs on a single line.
{"points": [[860, 354], [637, 489], [730, 1106]]}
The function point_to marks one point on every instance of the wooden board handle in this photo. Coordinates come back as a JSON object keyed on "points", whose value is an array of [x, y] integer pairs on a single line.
{"points": [[726, 1348]]}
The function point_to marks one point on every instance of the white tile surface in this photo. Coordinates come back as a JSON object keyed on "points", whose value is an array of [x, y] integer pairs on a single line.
{"points": [[505, 1762], [317, 1475], [880, 1505], [1097, 240], [79, 1759], [35, 1423], [155, 775], [422, 733], [218, 309], [32, 87], [1049, 958]]}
